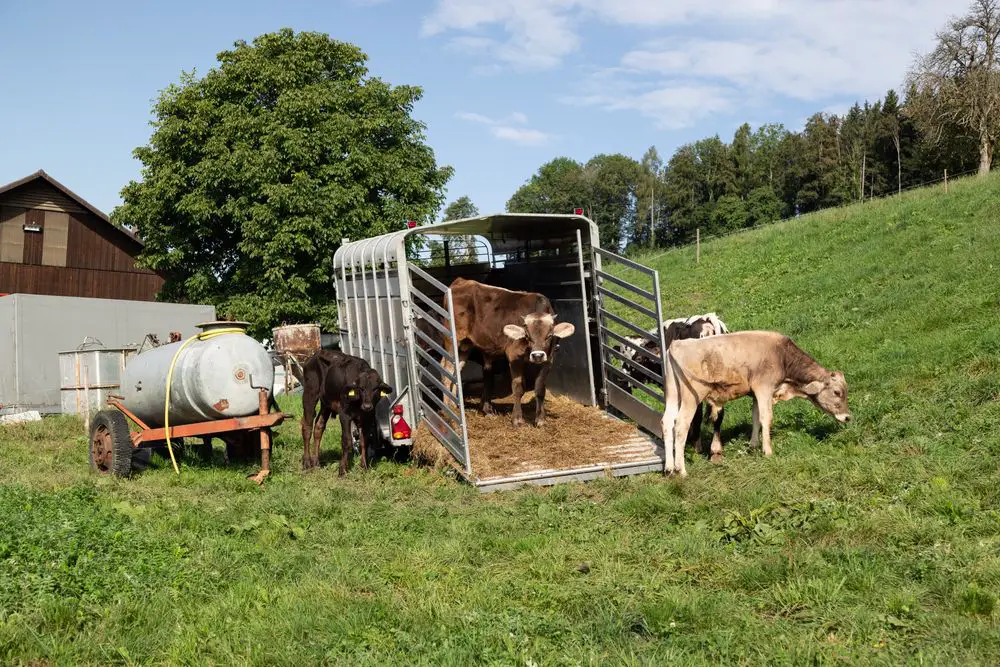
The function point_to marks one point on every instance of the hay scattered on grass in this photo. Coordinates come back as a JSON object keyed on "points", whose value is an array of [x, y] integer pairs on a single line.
{"points": [[573, 435]]}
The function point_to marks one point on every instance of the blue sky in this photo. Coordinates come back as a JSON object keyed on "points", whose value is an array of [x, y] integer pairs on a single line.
{"points": [[508, 84]]}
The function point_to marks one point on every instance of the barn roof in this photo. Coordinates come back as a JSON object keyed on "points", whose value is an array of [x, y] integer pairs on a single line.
{"points": [[41, 175]]}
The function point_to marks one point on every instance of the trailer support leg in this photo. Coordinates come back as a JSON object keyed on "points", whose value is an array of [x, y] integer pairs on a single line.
{"points": [[265, 442]]}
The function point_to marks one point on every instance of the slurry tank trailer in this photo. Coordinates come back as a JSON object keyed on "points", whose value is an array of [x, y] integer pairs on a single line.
{"points": [[217, 383]]}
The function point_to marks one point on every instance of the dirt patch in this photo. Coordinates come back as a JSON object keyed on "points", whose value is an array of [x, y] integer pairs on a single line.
{"points": [[573, 435]]}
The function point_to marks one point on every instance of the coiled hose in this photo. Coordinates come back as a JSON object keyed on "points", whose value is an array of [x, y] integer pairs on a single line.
{"points": [[204, 335]]}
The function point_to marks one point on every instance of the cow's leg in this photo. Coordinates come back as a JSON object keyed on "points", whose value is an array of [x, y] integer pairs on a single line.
{"points": [[324, 416], [517, 389], [487, 404], [346, 443], [694, 432], [672, 406], [717, 413], [543, 375], [364, 447], [765, 409], [689, 403], [755, 425], [308, 421]]}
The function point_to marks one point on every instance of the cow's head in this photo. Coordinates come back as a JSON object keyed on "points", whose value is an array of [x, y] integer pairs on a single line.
{"points": [[540, 335], [830, 395], [366, 391]]}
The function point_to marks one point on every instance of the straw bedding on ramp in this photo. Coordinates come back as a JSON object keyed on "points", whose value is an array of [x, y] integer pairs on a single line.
{"points": [[573, 435]]}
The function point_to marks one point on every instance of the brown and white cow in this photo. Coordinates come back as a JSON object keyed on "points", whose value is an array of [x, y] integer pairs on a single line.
{"points": [[718, 369], [498, 322]]}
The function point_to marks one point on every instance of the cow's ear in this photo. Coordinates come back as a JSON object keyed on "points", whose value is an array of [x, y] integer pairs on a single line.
{"points": [[384, 390], [514, 332], [563, 329], [813, 388]]}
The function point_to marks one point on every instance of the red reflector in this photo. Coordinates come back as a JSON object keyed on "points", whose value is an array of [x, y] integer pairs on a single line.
{"points": [[578, 211], [400, 429], [411, 223]]}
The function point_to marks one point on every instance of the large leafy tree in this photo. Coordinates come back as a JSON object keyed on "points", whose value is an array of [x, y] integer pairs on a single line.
{"points": [[255, 172]]}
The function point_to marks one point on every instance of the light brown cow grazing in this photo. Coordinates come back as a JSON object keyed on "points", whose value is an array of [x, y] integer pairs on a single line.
{"points": [[722, 368]]}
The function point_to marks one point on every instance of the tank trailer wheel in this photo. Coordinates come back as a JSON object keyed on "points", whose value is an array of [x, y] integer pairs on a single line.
{"points": [[110, 444]]}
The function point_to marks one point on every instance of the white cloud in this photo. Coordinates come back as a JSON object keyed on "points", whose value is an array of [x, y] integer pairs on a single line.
{"points": [[520, 135], [695, 58], [502, 128]]}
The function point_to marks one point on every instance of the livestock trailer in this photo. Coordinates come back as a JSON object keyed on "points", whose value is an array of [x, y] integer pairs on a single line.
{"points": [[387, 285]]}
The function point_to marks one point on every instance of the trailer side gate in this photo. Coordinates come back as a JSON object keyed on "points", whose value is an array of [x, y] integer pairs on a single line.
{"points": [[618, 305]]}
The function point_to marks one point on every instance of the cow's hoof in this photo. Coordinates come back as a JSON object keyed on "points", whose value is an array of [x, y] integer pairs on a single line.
{"points": [[315, 462], [539, 423], [487, 410], [518, 423], [716, 458], [259, 477], [307, 464]]}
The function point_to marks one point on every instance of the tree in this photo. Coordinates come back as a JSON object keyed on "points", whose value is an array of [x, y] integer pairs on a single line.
{"points": [[763, 206], [958, 82], [460, 209], [256, 171], [649, 195], [558, 186], [729, 214], [613, 183], [462, 248]]}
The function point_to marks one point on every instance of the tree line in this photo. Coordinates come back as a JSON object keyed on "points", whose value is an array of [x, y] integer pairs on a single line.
{"points": [[948, 119]]}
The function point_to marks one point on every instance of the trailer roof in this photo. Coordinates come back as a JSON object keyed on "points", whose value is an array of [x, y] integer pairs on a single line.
{"points": [[500, 227]]}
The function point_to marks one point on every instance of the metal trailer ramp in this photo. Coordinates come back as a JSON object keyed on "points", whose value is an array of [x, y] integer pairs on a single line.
{"points": [[397, 306]]}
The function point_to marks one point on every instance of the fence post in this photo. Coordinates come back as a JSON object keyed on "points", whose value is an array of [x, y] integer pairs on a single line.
{"points": [[946, 181], [697, 245]]}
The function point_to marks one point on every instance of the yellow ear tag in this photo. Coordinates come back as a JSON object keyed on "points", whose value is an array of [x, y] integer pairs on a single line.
{"points": [[352, 393], [384, 393]]}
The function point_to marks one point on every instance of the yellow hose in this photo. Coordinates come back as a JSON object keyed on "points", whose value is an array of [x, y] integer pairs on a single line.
{"points": [[204, 335]]}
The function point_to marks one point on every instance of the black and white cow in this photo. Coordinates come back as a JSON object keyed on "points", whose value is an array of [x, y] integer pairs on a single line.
{"points": [[680, 328]]}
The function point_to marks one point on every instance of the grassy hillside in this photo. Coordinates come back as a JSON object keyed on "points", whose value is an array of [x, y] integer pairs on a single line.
{"points": [[875, 543]]}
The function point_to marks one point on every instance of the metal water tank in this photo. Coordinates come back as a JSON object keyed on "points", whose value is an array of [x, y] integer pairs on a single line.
{"points": [[215, 378]]}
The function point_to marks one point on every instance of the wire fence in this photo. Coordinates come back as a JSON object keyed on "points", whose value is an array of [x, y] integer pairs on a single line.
{"points": [[702, 238]]}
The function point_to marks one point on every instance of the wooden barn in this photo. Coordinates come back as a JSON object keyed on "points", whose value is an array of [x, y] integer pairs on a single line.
{"points": [[54, 242]]}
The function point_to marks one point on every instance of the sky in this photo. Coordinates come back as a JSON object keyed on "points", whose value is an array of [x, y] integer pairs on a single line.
{"points": [[508, 84]]}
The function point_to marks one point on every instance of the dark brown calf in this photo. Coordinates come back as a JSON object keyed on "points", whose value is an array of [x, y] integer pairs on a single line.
{"points": [[503, 323], [344, 385]]}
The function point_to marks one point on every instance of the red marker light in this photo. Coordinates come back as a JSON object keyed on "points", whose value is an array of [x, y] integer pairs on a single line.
{"points": [[411, 223], [400, 429], [578, 211]]}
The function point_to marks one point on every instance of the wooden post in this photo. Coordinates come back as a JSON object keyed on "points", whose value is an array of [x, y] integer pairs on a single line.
{"points": [[697, 246], [946, 180]]}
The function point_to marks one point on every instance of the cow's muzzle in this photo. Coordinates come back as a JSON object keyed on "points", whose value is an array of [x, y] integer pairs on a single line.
{"points": [[844, 418], [538, 357]]}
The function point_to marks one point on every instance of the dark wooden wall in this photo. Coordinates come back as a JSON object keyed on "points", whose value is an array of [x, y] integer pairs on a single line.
{"points": [[75, 253]]}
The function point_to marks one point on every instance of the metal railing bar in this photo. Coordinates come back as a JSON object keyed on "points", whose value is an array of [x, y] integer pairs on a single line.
{"points": [[628, 325], [633, 364], [625, 341], [429, 301], [625, 285], [627, 302], [632, 381]]}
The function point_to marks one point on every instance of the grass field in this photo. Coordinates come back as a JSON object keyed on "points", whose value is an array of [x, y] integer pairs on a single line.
{"points": [[874, 543]]}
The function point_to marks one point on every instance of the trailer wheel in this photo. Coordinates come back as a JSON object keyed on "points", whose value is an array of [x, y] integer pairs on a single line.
{"points": [[110, 444]]}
